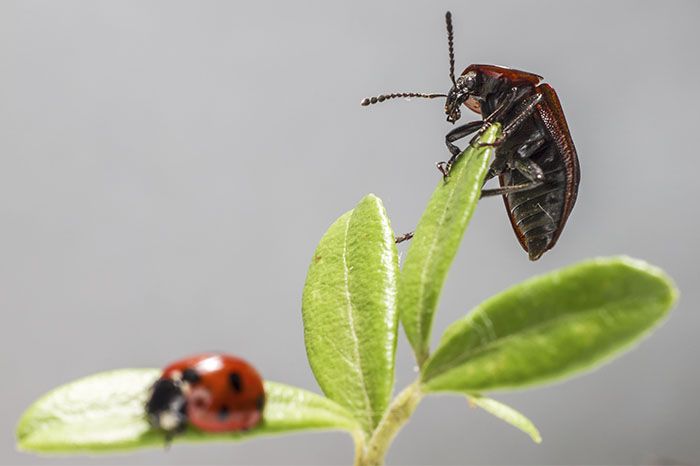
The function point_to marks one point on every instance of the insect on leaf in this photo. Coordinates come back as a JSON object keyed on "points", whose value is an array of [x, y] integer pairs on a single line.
{"points": [[104, 413]]}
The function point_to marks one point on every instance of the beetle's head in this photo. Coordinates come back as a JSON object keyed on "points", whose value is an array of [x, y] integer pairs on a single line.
{"points": [[464, 87]]}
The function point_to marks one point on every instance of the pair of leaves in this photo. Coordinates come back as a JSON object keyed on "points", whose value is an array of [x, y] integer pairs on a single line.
{"points": [[349, 297], [105, 413]]}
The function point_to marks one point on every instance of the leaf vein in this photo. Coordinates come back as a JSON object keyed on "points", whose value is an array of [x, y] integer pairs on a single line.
{"points": [[367, 410], [526, 332]]}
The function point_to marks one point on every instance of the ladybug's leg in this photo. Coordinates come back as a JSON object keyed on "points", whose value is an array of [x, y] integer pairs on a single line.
{"points": [[456, 134]]}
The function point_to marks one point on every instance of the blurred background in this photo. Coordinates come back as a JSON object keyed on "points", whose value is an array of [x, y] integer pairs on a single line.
{"points": [[167, 168]]}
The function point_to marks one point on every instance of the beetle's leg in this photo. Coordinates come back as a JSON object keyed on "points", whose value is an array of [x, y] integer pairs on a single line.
{"points": [[505, 105], [459, 133], [529, 108], [522, 161], [516, 188], [455, 135], [513, 95], [496, 168], [529, 147], [523, 164]]}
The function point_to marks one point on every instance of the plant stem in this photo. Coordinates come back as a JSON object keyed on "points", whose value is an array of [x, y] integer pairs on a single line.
{"points": [[396, 416], [359, 441]]}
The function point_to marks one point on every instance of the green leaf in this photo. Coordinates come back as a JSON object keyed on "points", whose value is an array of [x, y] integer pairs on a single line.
{"points": [[551, 326], [104, 413], [508, 414], [436, 241], [349, 310]]}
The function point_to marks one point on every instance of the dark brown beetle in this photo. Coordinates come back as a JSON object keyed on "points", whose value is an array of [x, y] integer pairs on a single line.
{"points": [[535, 157]]}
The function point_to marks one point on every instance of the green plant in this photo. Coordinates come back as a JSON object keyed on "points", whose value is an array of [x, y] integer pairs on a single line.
{"points": [[545, 328]]}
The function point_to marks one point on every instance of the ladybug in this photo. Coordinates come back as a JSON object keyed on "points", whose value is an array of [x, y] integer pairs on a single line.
{"points": [[214, 392]]}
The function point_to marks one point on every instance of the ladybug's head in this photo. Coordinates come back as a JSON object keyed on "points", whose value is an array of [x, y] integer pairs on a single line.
{"points": [[165, 407]]}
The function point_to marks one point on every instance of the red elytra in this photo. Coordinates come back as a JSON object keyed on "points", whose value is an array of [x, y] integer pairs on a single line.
{"points": [[228, 395], [214, 392]]}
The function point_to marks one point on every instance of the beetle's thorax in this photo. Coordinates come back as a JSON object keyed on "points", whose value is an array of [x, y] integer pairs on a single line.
{"points": [[492, 83]]}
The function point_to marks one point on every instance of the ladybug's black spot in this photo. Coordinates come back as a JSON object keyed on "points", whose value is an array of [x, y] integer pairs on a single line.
{"points": [[223, 412], [260, 402], [234, 378], [199, 403], [190, 375]]}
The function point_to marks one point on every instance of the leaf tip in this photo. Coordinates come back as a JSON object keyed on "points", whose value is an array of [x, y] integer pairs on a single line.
{"points": [[371, 199], [536, 436], [671, 290], [491, 133], [507, 414]]}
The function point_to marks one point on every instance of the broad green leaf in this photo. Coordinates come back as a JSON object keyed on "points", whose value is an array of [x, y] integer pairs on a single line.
{"points": [[508, 414], [349, 310], [436, 241], [104, 413], [551, 326]]}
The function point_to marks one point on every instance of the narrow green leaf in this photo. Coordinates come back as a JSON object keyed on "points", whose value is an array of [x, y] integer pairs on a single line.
{"points": [[104, 413], [508, 414], [551, 326], [436, 241], [349, 310]]}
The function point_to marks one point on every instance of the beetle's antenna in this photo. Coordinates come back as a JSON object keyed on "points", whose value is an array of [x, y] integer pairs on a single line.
{"points": [[382, 97], [451, 46]]}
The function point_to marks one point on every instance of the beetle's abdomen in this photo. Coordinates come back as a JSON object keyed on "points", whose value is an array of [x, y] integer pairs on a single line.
{"points": [[536, 214]]}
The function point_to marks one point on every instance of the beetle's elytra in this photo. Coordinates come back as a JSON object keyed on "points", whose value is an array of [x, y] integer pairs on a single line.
{"points": [[535, 158]]}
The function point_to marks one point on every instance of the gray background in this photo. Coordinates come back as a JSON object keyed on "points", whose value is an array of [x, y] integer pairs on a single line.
{"points": [[167, 169]]}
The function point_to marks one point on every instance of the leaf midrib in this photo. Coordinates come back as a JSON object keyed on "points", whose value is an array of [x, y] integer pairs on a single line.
{"points": [[524, 333], [428, 259], [368, 410]]}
